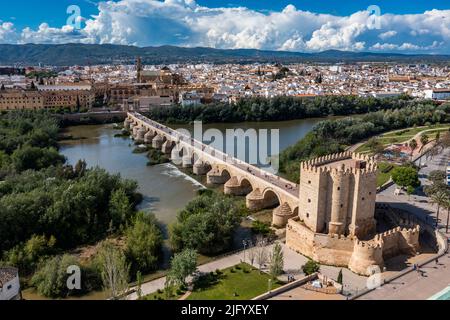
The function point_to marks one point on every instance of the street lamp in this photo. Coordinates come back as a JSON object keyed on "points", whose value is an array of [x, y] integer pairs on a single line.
{"points": [[245, 244]]}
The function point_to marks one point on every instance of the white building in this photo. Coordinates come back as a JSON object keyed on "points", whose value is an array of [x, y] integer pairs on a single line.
{"points": [[437, 94], [190, 99], [9, 284]]}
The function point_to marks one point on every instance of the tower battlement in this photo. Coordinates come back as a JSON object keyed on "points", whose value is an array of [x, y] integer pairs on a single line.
{"points": [[345, 161], [337, 193]]}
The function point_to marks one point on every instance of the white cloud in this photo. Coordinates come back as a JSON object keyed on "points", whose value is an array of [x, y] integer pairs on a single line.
{"points": [[7, 32], [185, 23], [407, 46], [387, 34]]}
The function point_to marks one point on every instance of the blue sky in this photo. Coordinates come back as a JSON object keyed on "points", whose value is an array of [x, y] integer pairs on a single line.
{"points": [[266, 24]]}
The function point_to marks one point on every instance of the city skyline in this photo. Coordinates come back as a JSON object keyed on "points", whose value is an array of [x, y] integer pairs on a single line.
{"points": [[284, 25]]}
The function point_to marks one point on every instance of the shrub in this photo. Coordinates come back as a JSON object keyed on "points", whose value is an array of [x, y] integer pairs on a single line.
{"points": [[144, 242], [310, 267], [207, 225]]}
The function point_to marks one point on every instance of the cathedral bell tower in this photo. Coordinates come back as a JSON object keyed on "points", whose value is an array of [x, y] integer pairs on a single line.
{"points": [[139, 69]]}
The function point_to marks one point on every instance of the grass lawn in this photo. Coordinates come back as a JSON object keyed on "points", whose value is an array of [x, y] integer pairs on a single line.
{"points": [[384, 172], [402, 136], [161, 296], [244, 280]]}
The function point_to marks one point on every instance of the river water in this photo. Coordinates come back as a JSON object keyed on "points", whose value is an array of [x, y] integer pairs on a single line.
{"points": [[165, 188]]}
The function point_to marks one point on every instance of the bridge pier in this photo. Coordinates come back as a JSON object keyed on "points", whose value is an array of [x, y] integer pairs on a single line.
{"points": [[140, 135], [158, 141], [234, 188], [136, 128], [201, 168], [187, 161], [148, 138], [215, 177], [167, 147], [256, 201], [127, 124], [175, 154], [281, 215], [132, 126]]}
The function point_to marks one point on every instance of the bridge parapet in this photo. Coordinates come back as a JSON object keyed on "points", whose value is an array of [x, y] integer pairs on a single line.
{"points": [[263, 189]]}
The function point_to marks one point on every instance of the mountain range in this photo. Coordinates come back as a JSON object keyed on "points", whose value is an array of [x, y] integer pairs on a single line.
{"points": [[92, 54]]}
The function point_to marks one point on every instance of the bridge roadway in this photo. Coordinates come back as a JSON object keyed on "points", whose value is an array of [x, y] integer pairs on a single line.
{"points": [[286, 191]]}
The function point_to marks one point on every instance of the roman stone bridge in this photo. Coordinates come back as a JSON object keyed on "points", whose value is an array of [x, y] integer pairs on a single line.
{"points": [[263, 190]]}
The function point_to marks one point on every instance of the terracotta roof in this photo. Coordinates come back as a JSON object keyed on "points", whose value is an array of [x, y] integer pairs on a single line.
{"points": [[7, 274]]}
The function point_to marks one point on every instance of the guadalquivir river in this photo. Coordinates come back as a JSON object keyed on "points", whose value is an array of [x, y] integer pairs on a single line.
{"points": [[166, 189]]}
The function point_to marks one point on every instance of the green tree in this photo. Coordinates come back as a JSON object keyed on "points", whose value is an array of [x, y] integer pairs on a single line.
{"points": [[28, 255], [169, 288], [207, 224], [405, 177], [437, 176], [139, 285], [340, 278], [446, 205], [276, 261], [424, 139], [120, 208], [410, 190], [35, 158], [144, 242], [114, 269], [439, 198], [182, 265], [310, 267], [413, 146], [51, 278]]}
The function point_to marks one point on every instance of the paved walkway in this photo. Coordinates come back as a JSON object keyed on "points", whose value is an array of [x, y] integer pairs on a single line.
{"points": [[433, 277], [419, 204], [292, 265], [415, 285]]}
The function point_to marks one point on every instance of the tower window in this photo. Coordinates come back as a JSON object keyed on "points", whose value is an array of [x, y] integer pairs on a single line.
{"points": [[307, 215], [342, 205], [309, 182], [363, 199], [309, 200], [339, 188]]}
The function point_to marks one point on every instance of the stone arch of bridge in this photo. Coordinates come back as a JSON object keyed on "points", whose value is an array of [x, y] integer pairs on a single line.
{"points": [[271, 198], [224, 172], [245, 183]]}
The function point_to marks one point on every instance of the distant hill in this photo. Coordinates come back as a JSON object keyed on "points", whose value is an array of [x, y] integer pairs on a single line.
{"points": [[85, 54]]}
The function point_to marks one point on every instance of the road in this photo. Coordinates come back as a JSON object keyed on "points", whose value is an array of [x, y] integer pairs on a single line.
{"points": [[419, 204], [434, 277]]}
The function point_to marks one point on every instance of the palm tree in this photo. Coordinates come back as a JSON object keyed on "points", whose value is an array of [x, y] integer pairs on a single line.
{"points": [[439, 197], [447, 206], [424, 139], [412, 146], [438, 137]]}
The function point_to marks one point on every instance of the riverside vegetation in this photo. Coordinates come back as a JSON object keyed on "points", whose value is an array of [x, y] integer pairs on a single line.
{"points": [[64, 207], [47, 209], [329, 136]]}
